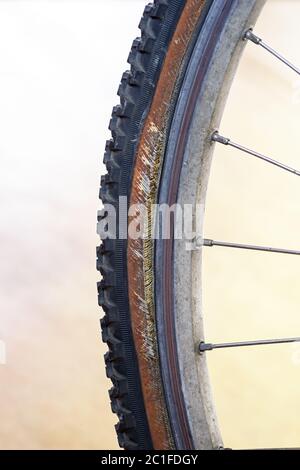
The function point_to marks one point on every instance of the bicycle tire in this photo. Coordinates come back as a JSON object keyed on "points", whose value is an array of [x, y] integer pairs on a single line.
{"points": [[149, 392]]}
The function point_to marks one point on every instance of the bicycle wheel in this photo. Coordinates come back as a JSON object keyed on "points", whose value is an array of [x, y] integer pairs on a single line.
{"points": [[171, 102]]}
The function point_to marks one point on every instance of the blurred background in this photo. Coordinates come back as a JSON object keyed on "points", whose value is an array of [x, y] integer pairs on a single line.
{"points": [[61, 62]]}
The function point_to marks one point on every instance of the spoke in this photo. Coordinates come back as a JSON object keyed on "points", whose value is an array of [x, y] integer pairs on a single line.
{"points": [[216, 137], [210, 346], [256, 40], [210, 243]]}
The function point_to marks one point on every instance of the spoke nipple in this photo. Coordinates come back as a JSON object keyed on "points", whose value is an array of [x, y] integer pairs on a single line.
{"points": [[198, 242], [205, 347], [207, 242], [249, 35], [216, 137]]}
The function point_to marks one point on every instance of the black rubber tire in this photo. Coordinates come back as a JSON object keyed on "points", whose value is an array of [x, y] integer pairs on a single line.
{"points": [[136, 91]]}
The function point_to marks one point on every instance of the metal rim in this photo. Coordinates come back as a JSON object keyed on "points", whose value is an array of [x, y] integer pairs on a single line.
{"points": [[185, 177]]}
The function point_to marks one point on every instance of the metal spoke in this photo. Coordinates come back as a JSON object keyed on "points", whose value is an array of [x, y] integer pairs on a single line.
{"points": [[216, 137], [257, 40], [210, 346], [209, 242]]}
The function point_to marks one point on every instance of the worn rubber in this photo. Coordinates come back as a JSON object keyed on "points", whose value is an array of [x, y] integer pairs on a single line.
{"points": [[136, 91]]}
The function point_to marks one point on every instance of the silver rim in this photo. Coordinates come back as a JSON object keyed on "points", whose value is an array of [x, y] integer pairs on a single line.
{"points": [[192, 190]]}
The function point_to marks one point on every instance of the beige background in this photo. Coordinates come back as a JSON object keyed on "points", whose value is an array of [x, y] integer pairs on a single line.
{"points": [[61, 62]]}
